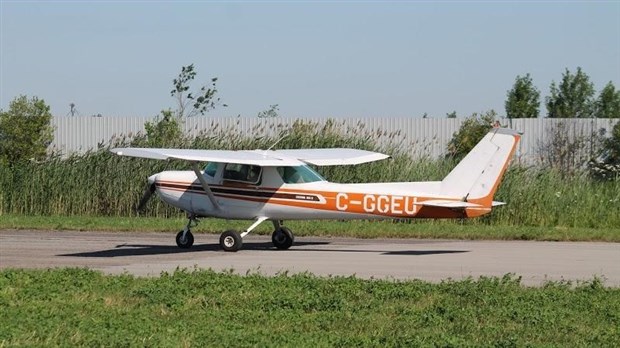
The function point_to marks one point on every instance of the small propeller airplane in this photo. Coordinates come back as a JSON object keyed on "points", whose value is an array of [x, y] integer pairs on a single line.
{"points": [[278, 185]]}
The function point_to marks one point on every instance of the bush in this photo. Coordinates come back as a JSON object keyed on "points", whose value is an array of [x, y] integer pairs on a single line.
{"points": [[473, 129], [607, 166], [25, 130]]}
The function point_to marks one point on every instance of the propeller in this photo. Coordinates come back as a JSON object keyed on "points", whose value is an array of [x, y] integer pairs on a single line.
{"points": [[150, 189]]}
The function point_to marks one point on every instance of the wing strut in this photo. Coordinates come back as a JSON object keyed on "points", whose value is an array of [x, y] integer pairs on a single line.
{"points": [[205, 185]]}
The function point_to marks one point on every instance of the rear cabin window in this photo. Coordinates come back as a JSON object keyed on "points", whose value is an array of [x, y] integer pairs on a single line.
{"points": [[242, 173], [298, 175]]}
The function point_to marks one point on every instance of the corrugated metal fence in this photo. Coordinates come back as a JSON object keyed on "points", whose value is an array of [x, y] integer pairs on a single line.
{"points": [[418, 136]]}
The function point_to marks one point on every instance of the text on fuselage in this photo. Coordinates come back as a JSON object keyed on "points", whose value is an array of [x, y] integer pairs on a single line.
{"points": [[383, 204]]}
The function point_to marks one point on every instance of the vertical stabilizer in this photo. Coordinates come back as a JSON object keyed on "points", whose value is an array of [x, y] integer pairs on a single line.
{"points": [[476, 178]]}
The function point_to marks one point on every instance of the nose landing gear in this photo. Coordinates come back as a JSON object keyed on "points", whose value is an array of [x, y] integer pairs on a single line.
{"points": [[185, 238]]}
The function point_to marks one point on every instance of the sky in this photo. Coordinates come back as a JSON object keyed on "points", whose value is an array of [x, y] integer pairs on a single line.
{"points": [[312, 58]]}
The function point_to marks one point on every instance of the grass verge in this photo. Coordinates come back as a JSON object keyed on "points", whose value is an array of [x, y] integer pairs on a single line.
{"points": [[78, 307], [357, 229]]}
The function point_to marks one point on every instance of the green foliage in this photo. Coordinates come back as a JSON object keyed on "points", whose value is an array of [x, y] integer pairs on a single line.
{"points": [[272, 111], [565, 152], [607, 166], [162, 132], [78, 307], [451, 114], [573, 98], [523, 100], [25, 130], [608, 102], [470, 133], [188, 103], [547, 197]]}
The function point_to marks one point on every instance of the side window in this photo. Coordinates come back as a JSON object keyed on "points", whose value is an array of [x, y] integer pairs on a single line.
{"points": [[211, 169], [242, 172], [298, 175]]}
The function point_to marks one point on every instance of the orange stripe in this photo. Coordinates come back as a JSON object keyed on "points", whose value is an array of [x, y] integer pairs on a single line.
{"points": [[377, 205]]}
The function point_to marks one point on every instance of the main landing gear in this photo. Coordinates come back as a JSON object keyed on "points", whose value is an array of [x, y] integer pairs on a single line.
{"points": [[281, 237], [231, 240]]}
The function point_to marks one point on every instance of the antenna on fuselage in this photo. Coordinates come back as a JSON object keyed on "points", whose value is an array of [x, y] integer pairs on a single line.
{"points": [[277, 141]]}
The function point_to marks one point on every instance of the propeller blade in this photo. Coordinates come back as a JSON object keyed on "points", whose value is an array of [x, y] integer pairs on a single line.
{"points": [[150, 189]]}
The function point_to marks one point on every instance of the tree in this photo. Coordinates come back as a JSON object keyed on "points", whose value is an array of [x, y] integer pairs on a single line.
{"points": [[269, 113], [189, 104], [523, 100], [165, 129], [163, 132], [608, 102], [472, 130], [451, 114], [573, 98], [25, 130]]}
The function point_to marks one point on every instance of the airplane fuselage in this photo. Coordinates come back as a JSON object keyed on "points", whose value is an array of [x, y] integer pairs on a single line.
{"points": [[301, 201]]}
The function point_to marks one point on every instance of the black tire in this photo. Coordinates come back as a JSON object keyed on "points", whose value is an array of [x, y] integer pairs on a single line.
{"points": [[282, 238], [187, 242], [231, 240]]}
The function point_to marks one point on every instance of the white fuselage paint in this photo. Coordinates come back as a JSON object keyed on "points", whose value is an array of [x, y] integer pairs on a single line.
{"points": [[323, 200]]}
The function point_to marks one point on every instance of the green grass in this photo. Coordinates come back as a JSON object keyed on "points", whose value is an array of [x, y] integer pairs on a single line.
{"points": [[78, 307], [357, 229]]}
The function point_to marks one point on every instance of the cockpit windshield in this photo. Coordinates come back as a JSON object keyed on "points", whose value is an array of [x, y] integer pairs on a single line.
{"points": [[298, 175]]}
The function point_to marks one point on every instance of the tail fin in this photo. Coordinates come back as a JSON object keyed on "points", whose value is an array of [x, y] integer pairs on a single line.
{"points": [[476, 178]]}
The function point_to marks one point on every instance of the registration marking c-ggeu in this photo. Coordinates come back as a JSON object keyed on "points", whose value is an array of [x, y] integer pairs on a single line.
{"points": [[384, 204]]}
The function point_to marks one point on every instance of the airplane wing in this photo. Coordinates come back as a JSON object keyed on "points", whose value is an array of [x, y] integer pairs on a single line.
{"points": [[334, 156], [319, 157], [224, 156]]}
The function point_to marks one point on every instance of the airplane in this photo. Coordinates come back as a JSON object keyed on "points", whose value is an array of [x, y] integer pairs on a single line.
{"points": [[279, 185]]}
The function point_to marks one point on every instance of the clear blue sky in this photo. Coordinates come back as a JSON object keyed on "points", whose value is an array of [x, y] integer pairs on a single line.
{"points": [[312, 58]]}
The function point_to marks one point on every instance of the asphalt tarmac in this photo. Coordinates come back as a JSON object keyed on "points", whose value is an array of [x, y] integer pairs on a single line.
{"points": [[149, 254]]}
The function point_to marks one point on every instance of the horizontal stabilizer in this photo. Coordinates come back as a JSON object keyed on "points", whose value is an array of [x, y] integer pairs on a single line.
{"points": [[450, 204]]}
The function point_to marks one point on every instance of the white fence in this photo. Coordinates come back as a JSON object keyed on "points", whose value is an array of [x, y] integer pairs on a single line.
{"points": [[418, 136]]}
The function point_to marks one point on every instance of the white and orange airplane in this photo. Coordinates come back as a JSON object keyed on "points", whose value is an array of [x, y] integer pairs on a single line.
{"points": [[278, 185]]}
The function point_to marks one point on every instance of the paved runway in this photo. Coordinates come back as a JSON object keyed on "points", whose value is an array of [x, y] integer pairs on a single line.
{"points": [[432, 260]]}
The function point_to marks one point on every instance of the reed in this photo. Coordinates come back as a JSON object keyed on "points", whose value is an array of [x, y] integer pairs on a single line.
{"points": [[99, 183]]}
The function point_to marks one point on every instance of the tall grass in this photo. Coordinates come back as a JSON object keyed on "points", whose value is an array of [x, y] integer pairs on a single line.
{"points": [[102, 184]]}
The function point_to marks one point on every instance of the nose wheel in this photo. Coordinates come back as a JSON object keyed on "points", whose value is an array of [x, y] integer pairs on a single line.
{"points": [[185, 239]]}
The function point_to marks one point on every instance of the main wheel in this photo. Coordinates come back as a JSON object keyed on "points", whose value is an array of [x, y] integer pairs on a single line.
{"points": [[282, 238], [185, 242], [231, 240]]}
